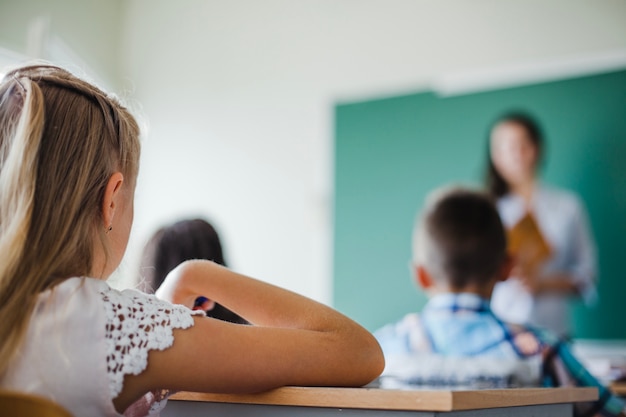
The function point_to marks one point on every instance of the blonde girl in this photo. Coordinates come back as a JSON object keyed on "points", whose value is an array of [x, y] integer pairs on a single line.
{"points": [[69, 158]]}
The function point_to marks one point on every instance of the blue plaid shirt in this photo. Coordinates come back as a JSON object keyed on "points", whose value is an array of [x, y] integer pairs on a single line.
{"points": [[461, 326]]}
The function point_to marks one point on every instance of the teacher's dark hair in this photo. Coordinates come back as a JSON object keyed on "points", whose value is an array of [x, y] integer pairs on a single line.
{"points": [[496, 185]]}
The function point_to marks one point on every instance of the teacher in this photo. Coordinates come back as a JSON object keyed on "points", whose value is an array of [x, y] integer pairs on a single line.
{"points": [[549, 236]]}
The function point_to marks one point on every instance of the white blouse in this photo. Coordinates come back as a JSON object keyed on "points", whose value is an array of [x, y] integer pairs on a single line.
{"points": [[85, 337], [563, 222]]}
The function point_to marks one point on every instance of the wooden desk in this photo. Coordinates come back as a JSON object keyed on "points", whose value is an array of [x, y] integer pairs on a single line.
{"points": [[345, 402]]}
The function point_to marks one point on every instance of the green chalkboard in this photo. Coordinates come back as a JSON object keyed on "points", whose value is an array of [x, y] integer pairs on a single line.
{"points": [[390, 153]]}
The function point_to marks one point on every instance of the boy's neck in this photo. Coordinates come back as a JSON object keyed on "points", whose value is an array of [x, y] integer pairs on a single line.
{"points": [[483, 291]]}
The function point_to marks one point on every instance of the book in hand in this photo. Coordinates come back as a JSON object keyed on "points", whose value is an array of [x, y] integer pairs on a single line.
{"points": [[527, 244]]}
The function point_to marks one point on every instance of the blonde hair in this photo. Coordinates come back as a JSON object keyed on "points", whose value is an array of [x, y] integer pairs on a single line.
{"points": [[61, 139]]}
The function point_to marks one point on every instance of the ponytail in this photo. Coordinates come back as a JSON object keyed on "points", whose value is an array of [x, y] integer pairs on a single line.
{"points": [[19, 147]]}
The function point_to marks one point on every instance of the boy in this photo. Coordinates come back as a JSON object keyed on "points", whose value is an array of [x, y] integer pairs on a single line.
{"points": [[459, 255]]}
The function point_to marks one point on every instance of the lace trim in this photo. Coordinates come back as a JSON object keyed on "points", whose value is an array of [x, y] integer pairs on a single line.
{"points": [[135, 324]]}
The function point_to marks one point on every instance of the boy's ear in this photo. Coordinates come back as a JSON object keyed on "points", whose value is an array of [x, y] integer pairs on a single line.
{"points": [[505, 268], [423, 278]]}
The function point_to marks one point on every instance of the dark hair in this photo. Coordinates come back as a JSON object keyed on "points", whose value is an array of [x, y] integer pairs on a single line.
{"points": [[496, 185], [463, 238], [182, 241]]}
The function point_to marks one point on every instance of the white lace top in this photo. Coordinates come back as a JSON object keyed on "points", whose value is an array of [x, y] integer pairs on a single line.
{"points": [[85, 337]]}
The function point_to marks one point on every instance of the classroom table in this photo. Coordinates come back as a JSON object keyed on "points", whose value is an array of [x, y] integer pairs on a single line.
{"points": [[347, 402]]}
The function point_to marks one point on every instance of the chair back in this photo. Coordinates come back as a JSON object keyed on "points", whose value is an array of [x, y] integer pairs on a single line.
{"points": [[17, 404]]}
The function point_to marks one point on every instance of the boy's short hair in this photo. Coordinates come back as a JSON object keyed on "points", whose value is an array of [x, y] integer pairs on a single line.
{"points": [[459, 238]]}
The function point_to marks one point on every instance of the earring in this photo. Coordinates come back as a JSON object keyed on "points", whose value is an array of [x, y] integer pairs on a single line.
{"points": [[109, 229]]}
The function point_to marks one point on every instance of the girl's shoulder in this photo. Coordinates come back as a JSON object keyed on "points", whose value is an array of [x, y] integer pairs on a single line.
{"points": [[131, 322], [136, 323]]}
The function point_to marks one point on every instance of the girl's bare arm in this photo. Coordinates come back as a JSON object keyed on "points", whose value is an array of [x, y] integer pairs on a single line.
{"points": [[293, 340]]}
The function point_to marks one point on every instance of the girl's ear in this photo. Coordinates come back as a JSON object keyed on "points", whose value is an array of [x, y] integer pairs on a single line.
{"points": [[423, 278], [111, 197]]}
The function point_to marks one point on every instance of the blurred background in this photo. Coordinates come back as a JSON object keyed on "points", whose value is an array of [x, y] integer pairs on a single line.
{"points": [[309, 131]]}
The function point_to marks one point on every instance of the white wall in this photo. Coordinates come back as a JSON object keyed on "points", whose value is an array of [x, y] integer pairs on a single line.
{"points": [[239, 98], [83, 35]]}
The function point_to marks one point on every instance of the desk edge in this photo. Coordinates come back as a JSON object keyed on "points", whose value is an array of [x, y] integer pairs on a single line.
{"points": [[416, 400]]}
